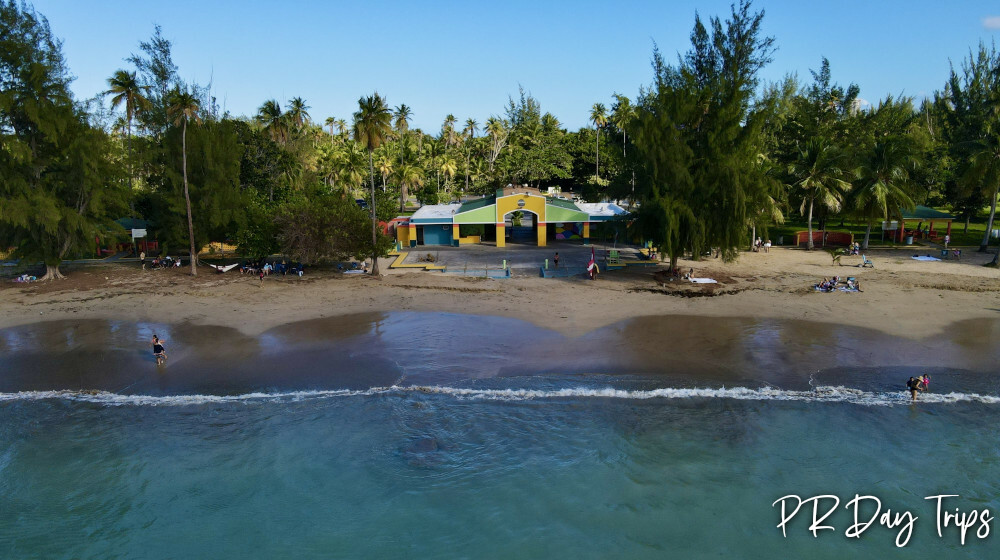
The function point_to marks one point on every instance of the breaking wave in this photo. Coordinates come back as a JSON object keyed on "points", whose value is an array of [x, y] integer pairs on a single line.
{"points": [[819, 394]]}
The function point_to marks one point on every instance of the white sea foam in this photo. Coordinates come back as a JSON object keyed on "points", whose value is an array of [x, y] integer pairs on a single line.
{"points": [[820, 394]]}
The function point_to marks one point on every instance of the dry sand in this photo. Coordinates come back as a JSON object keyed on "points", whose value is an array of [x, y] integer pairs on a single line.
{"points": [[901, 296]]}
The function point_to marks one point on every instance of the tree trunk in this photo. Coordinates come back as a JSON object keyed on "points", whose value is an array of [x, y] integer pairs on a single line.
{"points": [[673, 263], [809, 244], [967, 218], [402, 197], [989, 223], [597, 172], [868, 232], [52, 273], [187, 200], [371, 173]]}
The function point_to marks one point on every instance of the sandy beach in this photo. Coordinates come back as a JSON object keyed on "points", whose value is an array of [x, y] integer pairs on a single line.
{"points": [[901, 296]]}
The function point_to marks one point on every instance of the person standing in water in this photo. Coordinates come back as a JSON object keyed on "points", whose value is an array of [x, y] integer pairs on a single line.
{"points": [[925, 380], [914, 385], [158, 352]]}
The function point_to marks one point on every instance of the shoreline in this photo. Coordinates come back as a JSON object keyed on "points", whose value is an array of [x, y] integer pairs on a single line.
{"points": [[901, 297]]}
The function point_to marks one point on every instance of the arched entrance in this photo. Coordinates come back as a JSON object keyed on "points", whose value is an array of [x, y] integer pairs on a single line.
{"points": [[526, 205], [521, 227]]}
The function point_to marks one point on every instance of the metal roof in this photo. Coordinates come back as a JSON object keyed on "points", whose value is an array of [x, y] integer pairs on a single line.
{"points": [[926, 213]]}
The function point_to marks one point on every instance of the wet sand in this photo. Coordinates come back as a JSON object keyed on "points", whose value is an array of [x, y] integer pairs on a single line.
{"points": [[381, 349]]}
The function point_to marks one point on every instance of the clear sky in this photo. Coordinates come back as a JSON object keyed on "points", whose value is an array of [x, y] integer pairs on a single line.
{"points": [[466, 58]]}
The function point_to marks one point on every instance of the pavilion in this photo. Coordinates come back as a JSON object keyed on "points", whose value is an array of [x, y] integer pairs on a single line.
{"points": [[500, 218], [920, 216]]}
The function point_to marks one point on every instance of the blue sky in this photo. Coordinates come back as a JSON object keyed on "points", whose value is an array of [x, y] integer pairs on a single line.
{"points": [[466, 58]]}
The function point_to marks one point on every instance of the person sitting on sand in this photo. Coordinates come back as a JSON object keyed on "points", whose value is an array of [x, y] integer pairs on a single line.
{"points": [[158, 352]]}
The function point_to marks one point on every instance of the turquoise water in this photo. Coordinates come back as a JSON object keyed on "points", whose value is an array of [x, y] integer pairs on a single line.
{"points": [[455, 455]]}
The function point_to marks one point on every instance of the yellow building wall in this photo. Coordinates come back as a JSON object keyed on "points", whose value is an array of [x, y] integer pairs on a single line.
{"points": [[403, 235]]}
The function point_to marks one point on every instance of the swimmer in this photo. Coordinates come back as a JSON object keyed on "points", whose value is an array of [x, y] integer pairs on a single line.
{"points": [[925, 380], [158, 351], [914, 385]]}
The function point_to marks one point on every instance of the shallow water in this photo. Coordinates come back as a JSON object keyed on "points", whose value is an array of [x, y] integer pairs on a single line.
{"points": [[442, 436]]}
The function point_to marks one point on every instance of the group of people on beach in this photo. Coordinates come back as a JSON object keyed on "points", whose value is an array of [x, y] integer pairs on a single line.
{"points": [[831, 285], [917, 384], [760, 245], [159, 262]]}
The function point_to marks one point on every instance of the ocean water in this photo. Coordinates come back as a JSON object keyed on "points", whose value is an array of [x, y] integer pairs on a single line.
{"points": [[478, 437]]}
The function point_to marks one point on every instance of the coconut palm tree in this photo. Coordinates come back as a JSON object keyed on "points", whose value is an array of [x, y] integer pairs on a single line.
{"points": [[384, 167], [402, 115], [448, 131], [126, 89], [470, 132], [883, 181], [818, 172], [409, 176], [275, 122], [183, 107], [984, 169], [372, 126], [449, 167], [621, 115], [298, 112], [341, 127], [331, 122], [499, 132], [598, 116]]}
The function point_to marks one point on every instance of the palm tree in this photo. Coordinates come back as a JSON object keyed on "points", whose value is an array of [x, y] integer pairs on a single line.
{"points": [[448, 168], [298, 112], [384, 167], [884, 179], [499, 132], [409, 175], [273, 120], [371, 128], [184, 107], [402, 114], [598, 116], [984, 169], [126, 89], [341, 127], [470, 129], [621, 116], [818, 172], [331, 122], [448, 131]]}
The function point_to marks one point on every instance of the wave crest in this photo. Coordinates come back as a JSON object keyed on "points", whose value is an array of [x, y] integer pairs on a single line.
{"points": [[821, 394]]}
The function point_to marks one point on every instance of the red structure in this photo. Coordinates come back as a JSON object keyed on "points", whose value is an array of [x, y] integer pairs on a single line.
{"points": [[825, 238]]}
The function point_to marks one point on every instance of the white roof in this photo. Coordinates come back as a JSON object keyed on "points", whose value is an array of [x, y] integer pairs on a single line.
{"points": [[601, 208], [435, 212]]}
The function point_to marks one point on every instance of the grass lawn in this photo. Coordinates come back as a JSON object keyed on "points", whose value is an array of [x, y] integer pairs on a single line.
{"points": [[958, 238]]}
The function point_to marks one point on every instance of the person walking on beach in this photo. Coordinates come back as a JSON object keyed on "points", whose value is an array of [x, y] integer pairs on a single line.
{"points": [[261, 274], [947, 240], [142, 259], [914, 385], [555, 259], [158, 352]]}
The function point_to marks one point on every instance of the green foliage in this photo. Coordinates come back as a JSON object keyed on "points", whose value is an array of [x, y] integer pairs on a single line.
{"points": [[58, 187], [697, 145], [325, 226], [213, 169]]}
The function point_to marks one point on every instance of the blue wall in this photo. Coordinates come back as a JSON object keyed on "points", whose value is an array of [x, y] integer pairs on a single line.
{"points": [[437, 235]]}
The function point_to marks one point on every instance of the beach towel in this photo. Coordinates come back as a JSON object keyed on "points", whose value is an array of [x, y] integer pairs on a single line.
{"points": [[924, 258], [225, 268], [355, 272], [703, 280]]}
